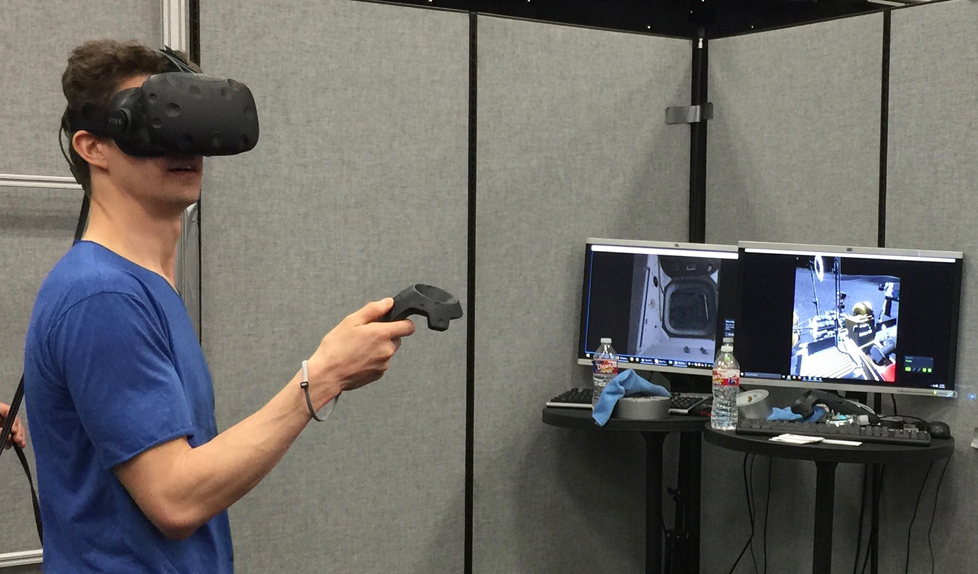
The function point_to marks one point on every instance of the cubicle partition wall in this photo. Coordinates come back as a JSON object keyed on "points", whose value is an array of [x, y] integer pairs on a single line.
{"points": [[357, 189], [932, 184], [794, 149], [39, 206], [572, 143], [794, 156]]}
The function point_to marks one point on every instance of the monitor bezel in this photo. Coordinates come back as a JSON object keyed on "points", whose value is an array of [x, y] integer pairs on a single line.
{"points": [[635, 243], [953, 257]]}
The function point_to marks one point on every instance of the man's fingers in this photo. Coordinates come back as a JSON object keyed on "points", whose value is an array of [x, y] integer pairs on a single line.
{"points": [[398, 329], [373, 311]]}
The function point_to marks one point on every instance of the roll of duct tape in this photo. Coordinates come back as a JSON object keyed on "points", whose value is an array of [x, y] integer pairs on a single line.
{"points": [[754, 404], [642, 408]]}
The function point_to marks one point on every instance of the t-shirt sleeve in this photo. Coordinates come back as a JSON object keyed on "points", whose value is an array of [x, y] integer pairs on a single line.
{"points": [[114, 354]]}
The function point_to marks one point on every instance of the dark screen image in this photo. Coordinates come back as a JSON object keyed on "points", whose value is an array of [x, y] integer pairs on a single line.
{"points": [[658, 309], [856, 326], [843, 326]]}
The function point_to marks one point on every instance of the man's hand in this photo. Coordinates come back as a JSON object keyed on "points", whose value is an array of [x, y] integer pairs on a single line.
{"points": [[17, 434], [358, 351]]}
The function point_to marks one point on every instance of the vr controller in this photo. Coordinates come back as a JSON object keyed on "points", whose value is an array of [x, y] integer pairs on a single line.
{"points": [[439, 306], [805, 405]]}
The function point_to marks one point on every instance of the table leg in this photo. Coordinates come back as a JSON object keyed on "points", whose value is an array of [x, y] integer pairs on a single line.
{"points": [[690, 447], [824, 512], [653, 502], [874, 531]]}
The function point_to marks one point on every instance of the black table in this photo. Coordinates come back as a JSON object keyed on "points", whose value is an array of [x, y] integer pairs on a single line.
{"points": [[826, 458], [654, 433]]}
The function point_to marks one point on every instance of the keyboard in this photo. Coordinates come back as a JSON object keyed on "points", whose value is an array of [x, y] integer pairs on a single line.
{"points": [[572, 399], [681, 403], [689, 403], [877, 434]]}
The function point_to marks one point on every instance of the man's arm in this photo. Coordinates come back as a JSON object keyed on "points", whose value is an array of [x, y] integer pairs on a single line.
{"points": [[179, 488]]}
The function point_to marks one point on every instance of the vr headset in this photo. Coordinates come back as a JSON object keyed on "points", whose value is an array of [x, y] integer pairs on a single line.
{"points": [[178, 112]]}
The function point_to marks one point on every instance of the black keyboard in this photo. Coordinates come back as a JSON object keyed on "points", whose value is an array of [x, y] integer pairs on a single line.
{"points": [[681, 403], [689, 403], [876, 434], [572, 399]]}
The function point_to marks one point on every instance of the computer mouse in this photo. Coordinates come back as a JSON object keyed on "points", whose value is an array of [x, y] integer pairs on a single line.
{"points": [[937, 429]]}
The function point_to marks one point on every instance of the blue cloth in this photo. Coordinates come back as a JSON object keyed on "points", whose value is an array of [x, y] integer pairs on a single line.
{"points": [[112, 367], [625, 383], [786, 414]]}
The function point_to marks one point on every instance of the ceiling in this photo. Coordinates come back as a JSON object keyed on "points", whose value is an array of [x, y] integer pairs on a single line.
{"points": [[669, 17]]}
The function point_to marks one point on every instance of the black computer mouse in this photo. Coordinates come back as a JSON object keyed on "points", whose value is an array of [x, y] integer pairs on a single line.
{"points": [[937, 429]]}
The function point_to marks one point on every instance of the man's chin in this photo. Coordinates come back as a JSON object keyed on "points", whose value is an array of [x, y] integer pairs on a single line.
{"points": [[182, 198]]}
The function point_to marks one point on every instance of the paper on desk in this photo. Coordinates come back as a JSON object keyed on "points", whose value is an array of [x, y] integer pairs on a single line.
{"points": [[841, 442], [802, 439], [796, 439]]}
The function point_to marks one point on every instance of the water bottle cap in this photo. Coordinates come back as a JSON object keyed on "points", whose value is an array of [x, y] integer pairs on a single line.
{"points": [[728, 339], [605, 340]]}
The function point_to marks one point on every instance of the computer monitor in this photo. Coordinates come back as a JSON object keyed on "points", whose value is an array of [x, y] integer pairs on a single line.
{"points": [[848, 318], [660, 303]]}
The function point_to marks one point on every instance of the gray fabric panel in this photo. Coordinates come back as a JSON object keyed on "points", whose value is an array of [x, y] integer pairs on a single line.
{"points": [[793, 156], [36, 227], [794, 147], [932, 178], [572, 143], [36, 38], [357, 189]]}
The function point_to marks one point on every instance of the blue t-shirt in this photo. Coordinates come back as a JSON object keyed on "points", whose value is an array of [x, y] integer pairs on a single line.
{"points": [[113, 367]]}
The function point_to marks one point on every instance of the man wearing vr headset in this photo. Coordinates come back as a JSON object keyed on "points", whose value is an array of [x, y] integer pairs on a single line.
{"points": [[132, 473]]}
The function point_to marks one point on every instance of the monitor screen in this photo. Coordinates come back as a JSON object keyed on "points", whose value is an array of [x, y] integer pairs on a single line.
{"points": [[660, 303], [848, 318]]}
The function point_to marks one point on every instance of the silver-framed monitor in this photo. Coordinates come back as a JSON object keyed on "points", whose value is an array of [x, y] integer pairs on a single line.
{"points": [[843, 318], [662, 303]]}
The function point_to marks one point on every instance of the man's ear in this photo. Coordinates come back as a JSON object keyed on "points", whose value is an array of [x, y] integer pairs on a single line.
{"points": [[90, 148]]}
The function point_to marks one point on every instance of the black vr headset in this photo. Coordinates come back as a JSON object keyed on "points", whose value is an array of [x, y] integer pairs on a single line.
{"points": [[178, 112]]}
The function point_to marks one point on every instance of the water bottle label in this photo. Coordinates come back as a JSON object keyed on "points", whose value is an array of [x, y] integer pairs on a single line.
{"points": [[721, 381], [605, 367]]}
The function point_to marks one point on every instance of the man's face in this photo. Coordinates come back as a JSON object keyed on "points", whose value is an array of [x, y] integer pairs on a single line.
{"points": [[170, 181]]}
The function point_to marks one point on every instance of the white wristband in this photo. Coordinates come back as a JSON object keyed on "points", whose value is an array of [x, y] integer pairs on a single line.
{"points": [[327, 409]]}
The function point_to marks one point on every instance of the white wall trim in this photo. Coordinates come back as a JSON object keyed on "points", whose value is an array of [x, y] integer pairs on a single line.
{"points": [[12, 559], [46, 181], [176, 24]]}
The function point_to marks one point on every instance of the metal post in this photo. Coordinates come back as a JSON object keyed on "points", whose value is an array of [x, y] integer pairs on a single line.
{"points": [[697, 143], [653, 502], [824, 515]]}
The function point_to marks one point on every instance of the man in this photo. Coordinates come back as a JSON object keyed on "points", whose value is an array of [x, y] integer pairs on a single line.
{"points": [[132, 474]]}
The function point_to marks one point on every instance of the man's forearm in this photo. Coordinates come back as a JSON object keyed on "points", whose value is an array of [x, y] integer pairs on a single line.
{"points": [[180, 488]]}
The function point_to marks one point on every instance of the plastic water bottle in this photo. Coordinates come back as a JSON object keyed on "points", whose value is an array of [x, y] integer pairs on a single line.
{"points": [[604, 363], [726, 385]]}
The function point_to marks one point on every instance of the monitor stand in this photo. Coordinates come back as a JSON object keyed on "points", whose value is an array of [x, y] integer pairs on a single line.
{"points": [[864, 398], [685, 383]]}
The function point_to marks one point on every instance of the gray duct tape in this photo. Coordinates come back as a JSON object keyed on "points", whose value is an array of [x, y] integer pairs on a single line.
{"points": [[754, 404], [642, 408]]}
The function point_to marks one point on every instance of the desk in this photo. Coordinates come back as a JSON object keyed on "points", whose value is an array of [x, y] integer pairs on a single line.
{"points": [[826, 458], [654, 433]]}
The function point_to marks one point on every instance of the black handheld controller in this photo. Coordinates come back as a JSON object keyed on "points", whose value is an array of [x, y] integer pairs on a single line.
{"points": [[439, 306]]}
